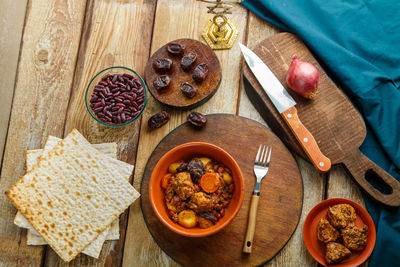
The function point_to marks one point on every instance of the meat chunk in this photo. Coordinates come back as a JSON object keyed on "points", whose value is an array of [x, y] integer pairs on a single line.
{"points": [[341, 215], [326, 232], [336, 252], [201, 202], [182, 184], [355, 238]]}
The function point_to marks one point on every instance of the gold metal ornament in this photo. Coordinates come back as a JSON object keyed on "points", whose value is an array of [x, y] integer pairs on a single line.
{"points": [[220, 32]]}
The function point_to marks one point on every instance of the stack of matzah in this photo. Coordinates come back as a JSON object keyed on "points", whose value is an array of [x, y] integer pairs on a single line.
{"points": [[72, 195]]}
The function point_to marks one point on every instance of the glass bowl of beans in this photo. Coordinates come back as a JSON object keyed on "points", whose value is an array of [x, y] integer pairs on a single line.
{"points": [[116, 96]]}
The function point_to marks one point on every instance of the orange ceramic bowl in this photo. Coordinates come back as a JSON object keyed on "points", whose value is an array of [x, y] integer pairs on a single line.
{"points": [[185, 152], [317, 248]]}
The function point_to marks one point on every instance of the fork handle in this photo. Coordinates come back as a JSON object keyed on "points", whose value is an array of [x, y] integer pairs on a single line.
{"points": [[251, 224], [306, 140]]}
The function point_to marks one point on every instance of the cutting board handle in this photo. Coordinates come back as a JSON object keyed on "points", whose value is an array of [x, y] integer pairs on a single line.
{"points": [[358, 165]]}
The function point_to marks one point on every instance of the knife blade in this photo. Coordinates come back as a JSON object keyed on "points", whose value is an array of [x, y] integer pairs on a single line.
{"points": [[285, 105]]}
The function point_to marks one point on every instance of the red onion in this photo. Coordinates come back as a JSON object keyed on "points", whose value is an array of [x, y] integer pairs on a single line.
{"points": [[302, 77]]}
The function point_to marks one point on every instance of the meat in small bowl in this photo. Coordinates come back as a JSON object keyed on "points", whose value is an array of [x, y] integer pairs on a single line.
{"points": [[196, 189]]}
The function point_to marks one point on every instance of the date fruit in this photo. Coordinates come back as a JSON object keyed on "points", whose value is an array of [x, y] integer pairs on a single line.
{"points": [[161, 82], [197, 119], [176, 49], [188, 90], [158, 120], [195, 168], [200, 73], [188, 61], [163, 64]]}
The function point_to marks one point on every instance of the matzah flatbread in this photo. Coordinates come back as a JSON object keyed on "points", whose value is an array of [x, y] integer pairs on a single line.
{"points": [[59, 200], [33, 238], [32, 157], [111, 233]]}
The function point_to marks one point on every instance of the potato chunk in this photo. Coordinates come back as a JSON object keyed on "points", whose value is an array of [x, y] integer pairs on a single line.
{"points": [[172, 168], [227, 178], [187, 218], [205, 160], [204, 223]]}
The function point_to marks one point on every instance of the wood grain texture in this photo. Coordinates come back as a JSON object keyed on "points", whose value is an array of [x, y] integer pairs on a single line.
{"points": [[178, 19], [173, 96], [48, 56], [11, 28], [331, 118], [251, 224], [313, 182], [280, 199], [116, 33]]}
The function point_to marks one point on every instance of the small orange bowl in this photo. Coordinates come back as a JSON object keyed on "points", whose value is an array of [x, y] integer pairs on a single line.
{"points": [[185, 152], [317, 248]]}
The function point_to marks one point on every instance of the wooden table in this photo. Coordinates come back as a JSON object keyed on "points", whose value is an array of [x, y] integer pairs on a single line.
{"points": [[50, 49]]}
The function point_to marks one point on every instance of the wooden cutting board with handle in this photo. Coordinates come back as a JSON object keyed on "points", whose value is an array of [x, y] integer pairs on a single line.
{"points": [[331, 118]]}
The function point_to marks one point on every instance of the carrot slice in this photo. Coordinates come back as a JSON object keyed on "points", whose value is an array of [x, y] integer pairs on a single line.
{"points": [[165, 179], [209, 182]]}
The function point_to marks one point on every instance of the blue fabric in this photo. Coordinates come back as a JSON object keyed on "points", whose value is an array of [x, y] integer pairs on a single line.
{"points": [[358, 42]]}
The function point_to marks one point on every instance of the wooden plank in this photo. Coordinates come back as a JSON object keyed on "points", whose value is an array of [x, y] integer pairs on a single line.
{"points": [[13, 17], [178, 19], [116, 33], [340, 184], [48, 56], [313, 182]]}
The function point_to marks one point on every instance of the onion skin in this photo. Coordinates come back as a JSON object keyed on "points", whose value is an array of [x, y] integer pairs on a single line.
{"points": [[302, 77]]}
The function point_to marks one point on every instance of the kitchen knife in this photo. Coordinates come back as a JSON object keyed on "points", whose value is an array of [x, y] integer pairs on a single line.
{"points": [[285, 105]]}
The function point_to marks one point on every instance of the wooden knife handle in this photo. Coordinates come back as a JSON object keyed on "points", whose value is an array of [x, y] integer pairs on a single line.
{"points": [[251, 224], [306, 140], [358, 165]]}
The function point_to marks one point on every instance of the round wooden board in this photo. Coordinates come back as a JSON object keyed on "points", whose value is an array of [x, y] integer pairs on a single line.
{"points": [[280, 200], [173, 97]]}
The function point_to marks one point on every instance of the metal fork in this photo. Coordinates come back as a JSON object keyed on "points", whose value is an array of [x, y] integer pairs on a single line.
{"points": [[261, 166]]}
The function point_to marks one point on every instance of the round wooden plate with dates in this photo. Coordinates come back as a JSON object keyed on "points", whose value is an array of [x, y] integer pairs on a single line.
{"points": [[279, 207], [173, 96]]}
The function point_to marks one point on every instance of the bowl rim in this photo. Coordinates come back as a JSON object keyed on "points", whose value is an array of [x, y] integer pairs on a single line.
{"points": [[125, 123], [333, 201], [222, 225]]}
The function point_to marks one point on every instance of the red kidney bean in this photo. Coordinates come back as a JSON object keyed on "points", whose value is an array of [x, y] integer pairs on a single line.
{"points": [[127, 76], [98, 104], [222, 212], [231, 188], [117, 98]]}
